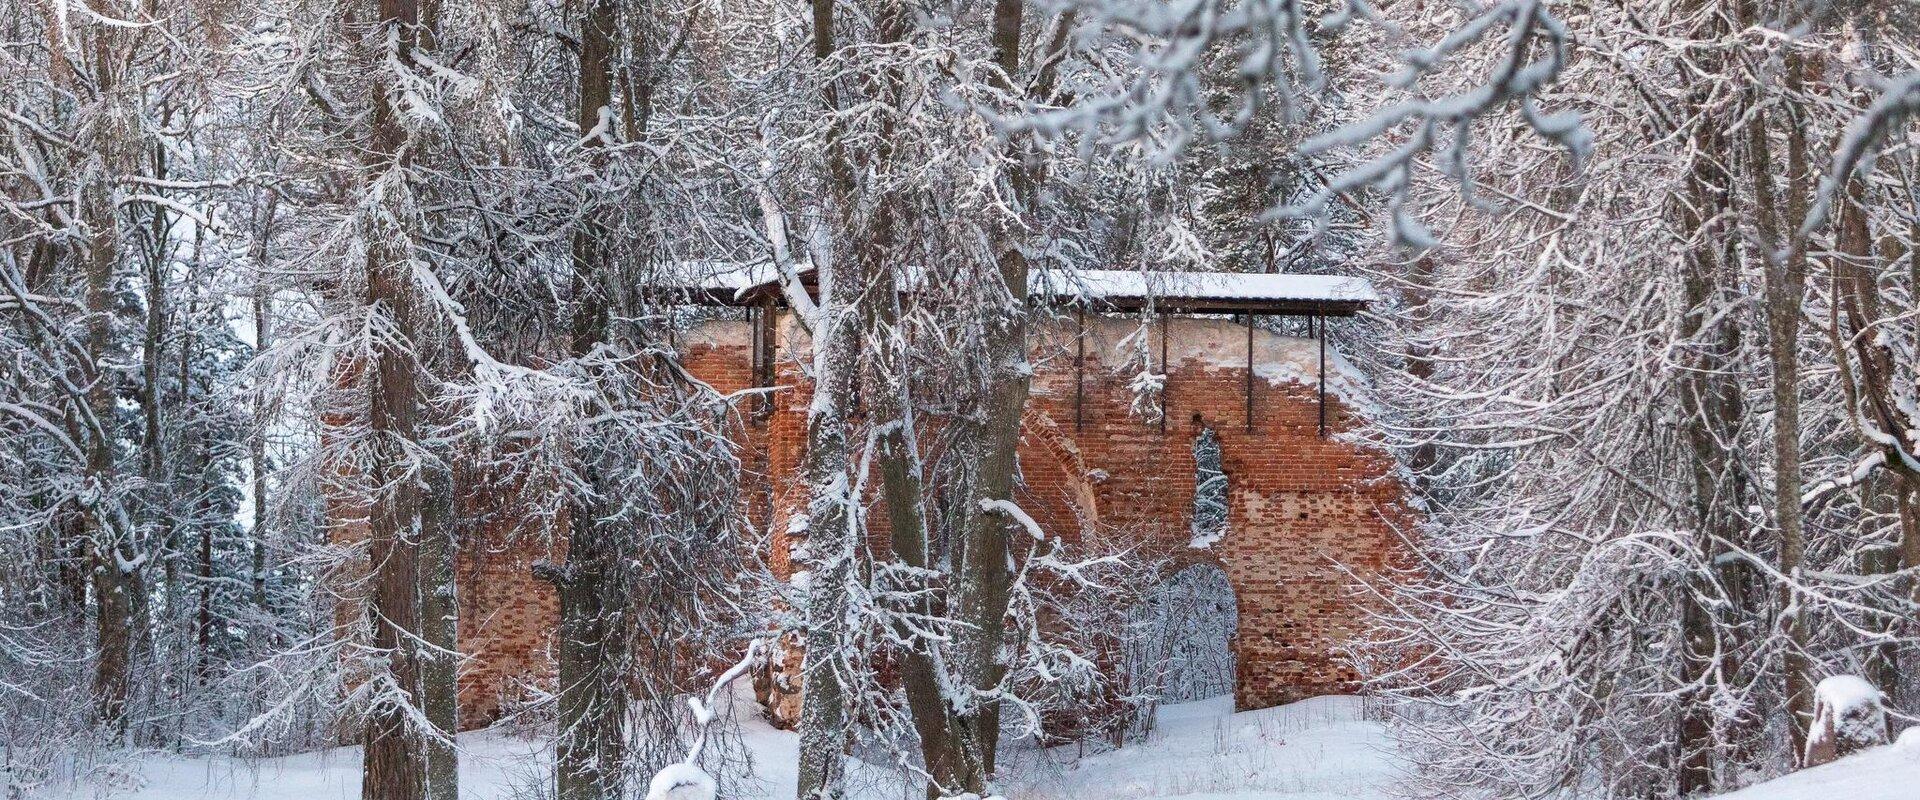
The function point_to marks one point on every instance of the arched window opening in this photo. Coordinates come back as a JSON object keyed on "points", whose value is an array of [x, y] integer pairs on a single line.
{"points": [[1209, 491], [1181, 644]]}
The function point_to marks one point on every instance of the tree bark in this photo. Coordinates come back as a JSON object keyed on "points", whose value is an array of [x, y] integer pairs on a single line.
{"points": [[833, 535], [1710, 406], [833, 527], [981, 588], [439, 629], [1786, 281], [115, 556], [257, 443], [395, 765], [1867, 370], [591, 754]]}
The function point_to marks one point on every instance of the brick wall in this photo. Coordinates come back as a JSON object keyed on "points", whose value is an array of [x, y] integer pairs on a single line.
{"points": [[1300, 502]]}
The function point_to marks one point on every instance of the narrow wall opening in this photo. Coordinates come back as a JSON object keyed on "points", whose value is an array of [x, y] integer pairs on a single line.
{"points": [[1209, 490]]}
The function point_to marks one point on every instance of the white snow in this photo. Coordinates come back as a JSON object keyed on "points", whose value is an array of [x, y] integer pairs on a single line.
{"points": [[1843, 692], [1185, 287], [1909, 743], [1891, 772], [1164, 286], [1013, 511], [682, 782], [1317, 749], [1847, 714]]}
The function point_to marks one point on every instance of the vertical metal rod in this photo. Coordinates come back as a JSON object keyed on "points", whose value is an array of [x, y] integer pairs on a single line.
{"points": [[1166, 377], [1249, 373], [764, 360], [1080, 371], [1320, 376]]}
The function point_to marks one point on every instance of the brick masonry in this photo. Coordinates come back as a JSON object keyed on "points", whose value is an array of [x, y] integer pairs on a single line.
{"points": [[1302, 505]]}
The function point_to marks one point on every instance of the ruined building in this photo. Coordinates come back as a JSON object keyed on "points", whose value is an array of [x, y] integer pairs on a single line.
{"points": [[1248, 477]]}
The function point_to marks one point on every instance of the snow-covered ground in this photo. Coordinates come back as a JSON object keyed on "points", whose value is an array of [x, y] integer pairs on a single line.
{"points": [[1314, 750], [1319, 749], [1882, 773]]}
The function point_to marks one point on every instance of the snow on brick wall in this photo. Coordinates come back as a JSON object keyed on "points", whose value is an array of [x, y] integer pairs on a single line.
{"points": [[1298, 502]]}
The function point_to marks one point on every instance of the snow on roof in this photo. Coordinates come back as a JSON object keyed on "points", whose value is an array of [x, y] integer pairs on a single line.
{"points": [[722, 277], [732, 282], [1178, 287]]}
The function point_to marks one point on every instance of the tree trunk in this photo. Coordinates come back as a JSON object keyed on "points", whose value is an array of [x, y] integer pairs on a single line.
{"points": [[832, 537], [439, 629], [903, 485], [1710, 407], [257, 443], [395, 766], [1867, 373], [114, 555], [984, 574], [590, 756], [1786, 282], [833, 527]]}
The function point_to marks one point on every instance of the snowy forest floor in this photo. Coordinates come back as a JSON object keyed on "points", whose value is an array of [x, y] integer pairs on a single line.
{"points": [[1318, 749]]}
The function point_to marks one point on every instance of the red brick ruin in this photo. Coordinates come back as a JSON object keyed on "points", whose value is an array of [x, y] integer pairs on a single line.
{"points": [[1308, 501]]}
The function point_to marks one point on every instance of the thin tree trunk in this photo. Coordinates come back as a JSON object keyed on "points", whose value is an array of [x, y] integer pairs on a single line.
{"points": [[1884, 493], [439, 606], [1903, 686], [1709, 407], [194, 479], [257, 443], [153, 395], [439, 629], [1786, 281]]}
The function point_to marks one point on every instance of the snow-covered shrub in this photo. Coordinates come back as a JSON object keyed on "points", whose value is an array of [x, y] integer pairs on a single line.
{"points": [[1847, 716], [681, 782]]}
